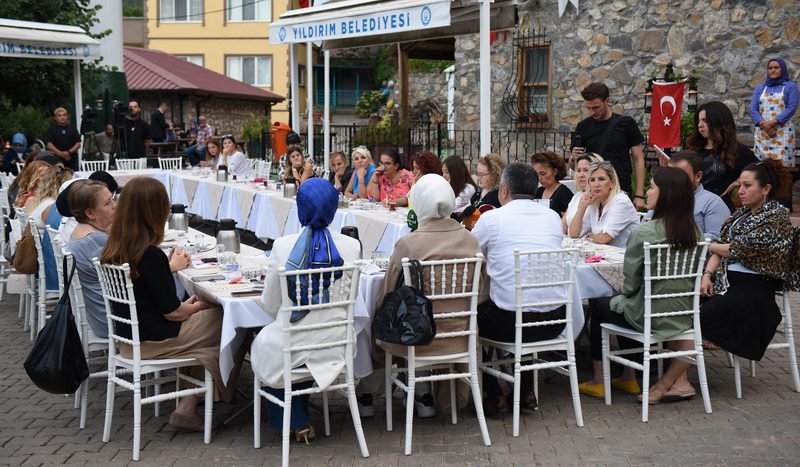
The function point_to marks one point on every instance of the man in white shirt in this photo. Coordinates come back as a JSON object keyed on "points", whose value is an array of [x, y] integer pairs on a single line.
{"points": [[521, 224]]}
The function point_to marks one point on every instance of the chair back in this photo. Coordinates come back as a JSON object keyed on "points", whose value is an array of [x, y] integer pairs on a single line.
{"points": [[76, 300], [544, 280], [94, 166], [263, 169], [448, 280], [666, 268], [5, 206], [132, 164], [117, 287], [37, 241], [337, 332], [169, 163], [22, 215], [20, 166], [58, 254]]}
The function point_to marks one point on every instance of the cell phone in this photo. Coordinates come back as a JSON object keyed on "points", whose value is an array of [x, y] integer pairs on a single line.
{"points": [[661, 151], [208, 260]]}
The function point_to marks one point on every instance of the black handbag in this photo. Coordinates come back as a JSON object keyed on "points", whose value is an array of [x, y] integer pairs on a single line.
{"points": [[56, 362], [406, 315]]}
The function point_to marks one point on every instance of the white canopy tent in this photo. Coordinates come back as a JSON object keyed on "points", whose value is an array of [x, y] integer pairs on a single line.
{"points": [[361, 23], [27, 39]]}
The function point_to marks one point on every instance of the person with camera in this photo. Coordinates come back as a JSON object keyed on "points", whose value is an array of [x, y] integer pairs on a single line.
{"points": [[63, 139], [135, 142]]}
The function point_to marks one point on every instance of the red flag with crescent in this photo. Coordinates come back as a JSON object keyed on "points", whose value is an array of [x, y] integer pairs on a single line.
{"points": [[665, 118]]}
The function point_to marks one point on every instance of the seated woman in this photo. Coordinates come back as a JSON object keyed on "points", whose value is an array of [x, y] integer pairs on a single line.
{"points": [[167, 326], [390, 181], [455, 171], [27, 182], [490, 168], [233, 159], [314, 247], [551, 169], [609, 209], [340, 173], [437, 237], [213, 152], [582, 164], [422, 164], [300, 168], [43, 212], [364, 168], [671, 197], [753, 254]]}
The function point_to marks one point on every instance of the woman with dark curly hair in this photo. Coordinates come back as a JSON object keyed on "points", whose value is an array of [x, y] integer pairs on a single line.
{"points": [[455, 171], [424, 163], [723, 156], [551, 169]]}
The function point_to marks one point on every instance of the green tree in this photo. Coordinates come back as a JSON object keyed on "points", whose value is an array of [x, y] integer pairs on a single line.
{"points": [[45, 84]]}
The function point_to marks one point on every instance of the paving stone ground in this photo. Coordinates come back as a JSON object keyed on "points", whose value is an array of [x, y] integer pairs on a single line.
{"points": [[763, 428]]}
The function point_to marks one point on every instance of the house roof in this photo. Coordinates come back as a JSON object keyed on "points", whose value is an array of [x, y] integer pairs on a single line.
{"points": [[153, 70]]}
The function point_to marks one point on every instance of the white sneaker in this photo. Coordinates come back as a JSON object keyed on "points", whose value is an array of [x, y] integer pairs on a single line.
{"points": [[424, 406], [365, 407]]}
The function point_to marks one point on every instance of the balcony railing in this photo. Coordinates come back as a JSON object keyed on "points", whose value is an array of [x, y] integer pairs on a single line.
{"points": [[340, 99]]}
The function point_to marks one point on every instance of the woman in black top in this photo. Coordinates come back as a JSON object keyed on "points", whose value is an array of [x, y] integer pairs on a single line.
{"points": [[551, 169], [723, 156], [167, 326], [490, 168]]}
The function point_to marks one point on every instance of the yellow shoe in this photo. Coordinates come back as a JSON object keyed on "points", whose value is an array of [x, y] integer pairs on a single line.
{"points": [[630, 386], [592, 390]]}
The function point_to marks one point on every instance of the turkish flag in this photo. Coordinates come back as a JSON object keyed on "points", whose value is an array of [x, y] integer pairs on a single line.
{"points": [[665, 118]]}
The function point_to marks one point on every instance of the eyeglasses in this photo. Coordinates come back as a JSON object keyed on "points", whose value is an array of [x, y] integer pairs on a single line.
{"points": [[480, 175], [600, 165], [387, 163]]}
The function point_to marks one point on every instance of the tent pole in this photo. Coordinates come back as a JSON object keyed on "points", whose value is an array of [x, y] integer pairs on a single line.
{"points": [[326, 142], [76, 67], [295, 94], [310, 97], [485, 79]]}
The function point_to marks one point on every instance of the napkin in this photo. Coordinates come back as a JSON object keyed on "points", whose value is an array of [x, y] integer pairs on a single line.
{"points": [[370, 269]]}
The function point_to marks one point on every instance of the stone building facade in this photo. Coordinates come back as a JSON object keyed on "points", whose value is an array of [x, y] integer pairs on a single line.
{"points": [[621, 43]]}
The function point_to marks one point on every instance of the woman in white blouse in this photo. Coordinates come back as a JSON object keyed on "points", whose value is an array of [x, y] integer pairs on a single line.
{"points": [[582, 164], [455, 171], [611, 213], [233, 159]]}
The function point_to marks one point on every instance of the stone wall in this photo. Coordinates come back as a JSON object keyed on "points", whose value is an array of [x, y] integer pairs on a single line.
{"points": [[618, 42], [424, 85]]}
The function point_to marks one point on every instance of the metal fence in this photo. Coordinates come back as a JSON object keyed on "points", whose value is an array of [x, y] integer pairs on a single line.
{"points": [[443, 139]]}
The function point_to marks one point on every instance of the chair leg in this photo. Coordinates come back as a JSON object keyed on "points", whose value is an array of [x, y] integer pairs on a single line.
{"points": [[789, 335], [453, 403], [287, 427], [326, 416], [21, 311], [660, 362], [157, 389], [109, 406], [604, 342], [177, 385], [256, 413], [534, 358], [737, 376], [477, 399], [410, 406], [84, 391], [388, 389], [209, 407], [752, 368], [77, 398], [137, 419], [515, 404], [645, 385], [573, 383], [701, 375], [353, 403]]}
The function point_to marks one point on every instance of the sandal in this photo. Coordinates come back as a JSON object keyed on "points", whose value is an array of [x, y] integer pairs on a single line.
{"points": [[305, 434], [656, 396], [678, 395], [185, 423], [708, 345]]}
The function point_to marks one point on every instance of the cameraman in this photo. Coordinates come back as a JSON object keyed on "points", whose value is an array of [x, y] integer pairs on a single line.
{"points": [[136, 140]]}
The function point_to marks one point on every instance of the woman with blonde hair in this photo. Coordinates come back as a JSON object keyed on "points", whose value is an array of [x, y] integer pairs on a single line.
{"points": [[167, 326], [363, 167], [611, 213], [582, 164], [28, 180], [490, 168], [43, 211]]}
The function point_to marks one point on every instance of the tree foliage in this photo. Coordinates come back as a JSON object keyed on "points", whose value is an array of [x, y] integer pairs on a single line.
{"points": [[45, 84]]}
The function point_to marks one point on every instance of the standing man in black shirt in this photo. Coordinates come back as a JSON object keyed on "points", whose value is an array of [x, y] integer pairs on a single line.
{"points": [[158, 123], [63, 139], [615, 137], [136, 140]]}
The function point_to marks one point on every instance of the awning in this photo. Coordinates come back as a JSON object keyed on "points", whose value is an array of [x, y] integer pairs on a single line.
{"points": [[26, 39], [360, 23]]}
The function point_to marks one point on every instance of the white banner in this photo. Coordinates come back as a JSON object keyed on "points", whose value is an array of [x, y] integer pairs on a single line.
{"points": [[31, 49], [329, 26]]}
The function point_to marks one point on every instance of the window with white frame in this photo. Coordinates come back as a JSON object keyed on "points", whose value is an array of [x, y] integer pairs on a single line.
{"points": [[175, 11], [249, 10], [255, 70], [196, 59]]}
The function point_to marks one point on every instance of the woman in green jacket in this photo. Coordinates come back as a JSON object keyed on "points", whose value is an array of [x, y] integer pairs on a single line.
{"points": [[671, 198]]}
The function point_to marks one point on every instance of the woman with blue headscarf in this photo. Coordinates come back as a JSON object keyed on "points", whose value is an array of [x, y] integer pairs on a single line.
{"points": [[313, 248], [772, 107]]}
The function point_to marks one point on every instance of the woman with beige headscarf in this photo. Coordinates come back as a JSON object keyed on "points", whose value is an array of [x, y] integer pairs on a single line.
{"points": [[437, 237]]}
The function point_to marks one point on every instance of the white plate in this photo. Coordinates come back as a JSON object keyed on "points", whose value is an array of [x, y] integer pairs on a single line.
{"points": [[170, 235]]}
